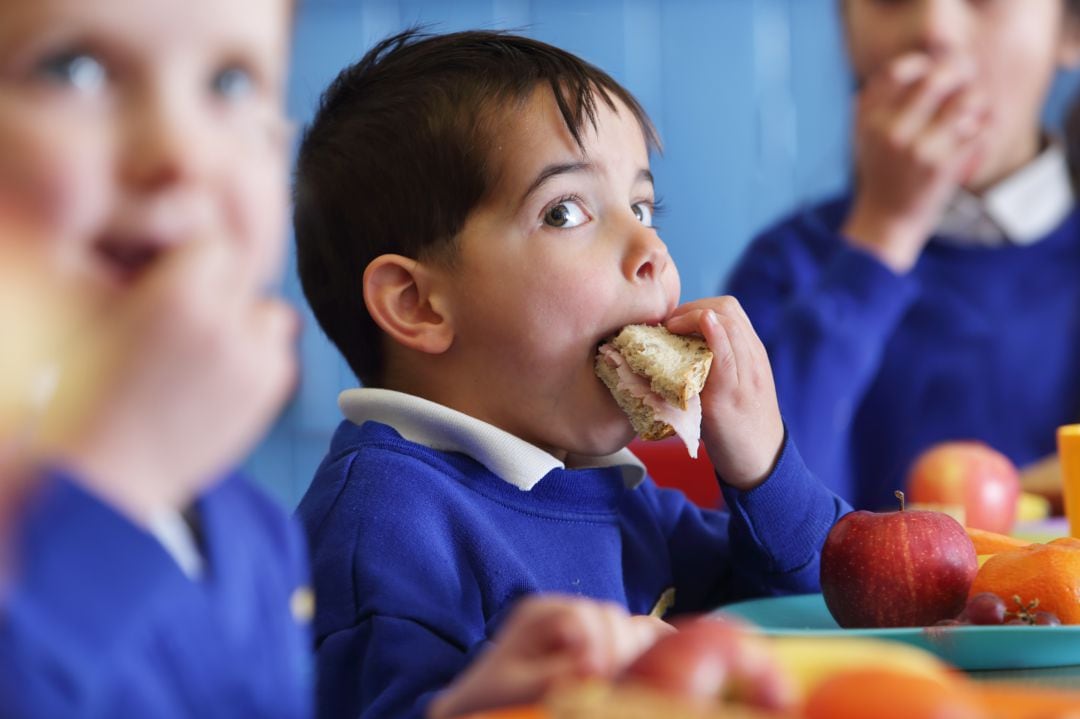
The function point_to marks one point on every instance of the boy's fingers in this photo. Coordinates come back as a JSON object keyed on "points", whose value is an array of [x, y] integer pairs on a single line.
{"points": [[725, 364], [887, 85], [924, 100], [944, 144]]}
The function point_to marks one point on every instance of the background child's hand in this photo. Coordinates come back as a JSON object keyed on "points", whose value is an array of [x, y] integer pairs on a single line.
{"points": [[740, 417], [918, 130], [545, 641], [178, 383]]}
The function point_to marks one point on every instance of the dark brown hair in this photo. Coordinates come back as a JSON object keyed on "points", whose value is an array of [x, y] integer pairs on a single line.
{"points": [[395, 159]]}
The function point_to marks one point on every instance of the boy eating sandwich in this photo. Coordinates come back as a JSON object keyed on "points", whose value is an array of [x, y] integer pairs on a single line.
{"points": [[473, 219]]}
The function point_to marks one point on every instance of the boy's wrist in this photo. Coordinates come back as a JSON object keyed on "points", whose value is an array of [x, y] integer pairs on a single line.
{"points": [[896, 242]]}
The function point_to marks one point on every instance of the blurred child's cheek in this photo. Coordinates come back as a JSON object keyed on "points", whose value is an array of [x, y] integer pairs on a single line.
{"points": [[261, 197], [54, 188]]}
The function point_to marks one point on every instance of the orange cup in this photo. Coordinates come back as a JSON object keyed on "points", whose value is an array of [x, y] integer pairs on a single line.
{"points": [[1068, 441]]}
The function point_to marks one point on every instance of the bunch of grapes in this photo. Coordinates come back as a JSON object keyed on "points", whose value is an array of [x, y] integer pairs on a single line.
{"points": [[987, 608]]}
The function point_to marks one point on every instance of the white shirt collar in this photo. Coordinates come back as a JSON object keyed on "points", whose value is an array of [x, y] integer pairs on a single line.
{"points": [[171, 529], [439, 427], [1021, 209]]}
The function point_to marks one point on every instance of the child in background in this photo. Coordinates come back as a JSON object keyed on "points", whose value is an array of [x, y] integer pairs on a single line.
{"points": [[938, 300], [474, 215], [144, 146]]}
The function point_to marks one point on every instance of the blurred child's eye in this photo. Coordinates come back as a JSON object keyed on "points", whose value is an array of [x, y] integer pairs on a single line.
{"points": [[644, 212], [233, 82], [79, 70], [565, 214]]}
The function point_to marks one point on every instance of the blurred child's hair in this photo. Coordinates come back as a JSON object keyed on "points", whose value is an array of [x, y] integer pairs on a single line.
{"points": [[397, 157]]}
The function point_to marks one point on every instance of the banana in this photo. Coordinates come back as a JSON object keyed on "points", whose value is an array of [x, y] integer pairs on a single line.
{"points": [[811, 660], [1032, 508]]}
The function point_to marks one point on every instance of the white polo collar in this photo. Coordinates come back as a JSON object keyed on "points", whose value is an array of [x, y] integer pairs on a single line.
{"points": [[1020, 210], [507, 456]]}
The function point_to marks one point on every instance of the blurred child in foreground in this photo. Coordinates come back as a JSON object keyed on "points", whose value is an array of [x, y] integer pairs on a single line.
{"points": [[144, 147]]}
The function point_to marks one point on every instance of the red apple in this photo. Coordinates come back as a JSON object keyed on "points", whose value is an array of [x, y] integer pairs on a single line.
{"points": [[896, 569], [970, 474], [711, 659]]}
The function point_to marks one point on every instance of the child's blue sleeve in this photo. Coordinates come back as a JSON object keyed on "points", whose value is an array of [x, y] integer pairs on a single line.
{"points": [[824, 311], [779, 528], [766, 542]]}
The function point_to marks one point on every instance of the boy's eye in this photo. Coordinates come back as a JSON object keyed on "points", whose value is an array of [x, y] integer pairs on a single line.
{"points": [[79, 70], [565, 214], [233, 82], [644, 212]]}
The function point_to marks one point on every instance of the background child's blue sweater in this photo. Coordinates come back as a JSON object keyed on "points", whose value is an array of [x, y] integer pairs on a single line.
{"points": [[101, 622], [419, 553], [872, 368]]}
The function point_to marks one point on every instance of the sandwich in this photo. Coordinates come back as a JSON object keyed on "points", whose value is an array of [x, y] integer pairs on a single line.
{"points": [[655, 377]]}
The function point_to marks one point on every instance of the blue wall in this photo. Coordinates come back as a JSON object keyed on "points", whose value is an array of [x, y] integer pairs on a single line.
{"points": [[751, 98]]}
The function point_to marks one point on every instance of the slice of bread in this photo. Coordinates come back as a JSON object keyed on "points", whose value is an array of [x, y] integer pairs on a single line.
{"points": [[675, 365]]}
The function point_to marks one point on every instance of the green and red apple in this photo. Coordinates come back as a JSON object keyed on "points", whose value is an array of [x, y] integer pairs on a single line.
{"points": [[970, 474]]}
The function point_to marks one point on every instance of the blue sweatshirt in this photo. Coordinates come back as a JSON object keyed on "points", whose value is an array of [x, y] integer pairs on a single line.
{"points": [[101, 622], [419, 554], [872, 368]]}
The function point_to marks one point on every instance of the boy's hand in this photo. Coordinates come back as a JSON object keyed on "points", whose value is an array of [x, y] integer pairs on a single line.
{"points": [[179, 383], [918, 130], [548, 640], [740, 417]]}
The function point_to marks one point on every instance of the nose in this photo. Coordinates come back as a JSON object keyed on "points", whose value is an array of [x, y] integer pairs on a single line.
{"points": [[161, 142], [646, 258], [938, 27]]}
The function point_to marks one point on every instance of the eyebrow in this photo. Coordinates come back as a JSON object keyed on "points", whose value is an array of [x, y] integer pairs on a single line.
{"points": [[570, 167], [555, 170]]}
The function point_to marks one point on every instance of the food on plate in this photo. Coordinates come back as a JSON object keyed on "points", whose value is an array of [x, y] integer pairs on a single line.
{"points": [[970, 474], [884, 694], [987, 608], [656, 377], [1048, 574], [1032, 507], [713, 659], [811, 660], [607, 701], [991, 542], [896, 569]]}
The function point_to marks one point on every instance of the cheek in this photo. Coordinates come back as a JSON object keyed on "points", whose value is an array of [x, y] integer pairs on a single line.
{"points": [[870, 47], [258, 193], [55, 176]]}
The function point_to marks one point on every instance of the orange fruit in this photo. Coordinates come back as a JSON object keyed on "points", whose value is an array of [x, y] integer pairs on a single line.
{"points": [[1049, 573], [1006, 700], [991, 542], [884, 694]]}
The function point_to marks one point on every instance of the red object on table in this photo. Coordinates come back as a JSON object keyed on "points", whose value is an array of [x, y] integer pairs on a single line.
{"points": [[670, 466]]}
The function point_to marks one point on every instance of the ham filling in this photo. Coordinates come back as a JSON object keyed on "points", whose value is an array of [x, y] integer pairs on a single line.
{"points": [[687, 423]]}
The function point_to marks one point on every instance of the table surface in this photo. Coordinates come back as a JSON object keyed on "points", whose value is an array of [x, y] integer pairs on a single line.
{"points": [[1053, 677]]}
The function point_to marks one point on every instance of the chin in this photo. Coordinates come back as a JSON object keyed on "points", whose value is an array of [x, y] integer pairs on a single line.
{"points": [[605, 436]]}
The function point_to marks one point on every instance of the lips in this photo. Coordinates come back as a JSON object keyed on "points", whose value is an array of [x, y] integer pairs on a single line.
{"points": [[128, 258]]}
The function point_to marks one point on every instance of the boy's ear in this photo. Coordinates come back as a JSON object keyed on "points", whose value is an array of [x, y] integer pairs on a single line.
{"points": [[401, 297]]}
